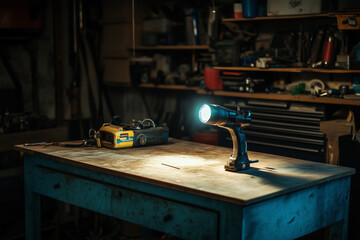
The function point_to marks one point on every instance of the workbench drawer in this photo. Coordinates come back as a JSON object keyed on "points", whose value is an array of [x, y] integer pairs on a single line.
{"points": [[176, 218]]}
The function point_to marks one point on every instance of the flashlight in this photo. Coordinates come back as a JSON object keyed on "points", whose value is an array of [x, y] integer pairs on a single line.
{"points": [[217, 115], [233, 121]]}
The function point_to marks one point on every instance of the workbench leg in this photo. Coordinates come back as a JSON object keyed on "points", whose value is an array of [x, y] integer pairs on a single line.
{"points": [[32, 206], [32, 216], [337, 231]]}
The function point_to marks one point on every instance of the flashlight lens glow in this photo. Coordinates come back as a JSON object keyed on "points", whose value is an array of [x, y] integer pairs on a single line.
{"points": [[204, 113]]}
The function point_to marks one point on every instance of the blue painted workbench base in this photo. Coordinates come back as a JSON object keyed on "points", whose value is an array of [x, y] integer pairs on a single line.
{"points": [[182, 214]]}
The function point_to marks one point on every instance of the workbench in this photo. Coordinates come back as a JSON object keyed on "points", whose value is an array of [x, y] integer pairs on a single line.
{"points": [[181, 188]]}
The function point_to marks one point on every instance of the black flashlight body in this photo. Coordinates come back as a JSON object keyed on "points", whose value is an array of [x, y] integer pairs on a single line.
{"points": [[233, 121], [222, 116]]}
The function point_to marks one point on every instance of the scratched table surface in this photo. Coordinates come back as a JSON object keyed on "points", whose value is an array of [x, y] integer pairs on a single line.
{"points": [[198, 169]]}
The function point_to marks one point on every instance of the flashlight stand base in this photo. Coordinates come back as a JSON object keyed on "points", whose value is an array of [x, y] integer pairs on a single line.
{"points": [[235, 165], [239, 159]]}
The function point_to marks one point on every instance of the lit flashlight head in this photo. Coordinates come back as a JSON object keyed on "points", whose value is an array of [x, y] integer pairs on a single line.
{"points": [[214, 114], [217, 115], [205, 113]]}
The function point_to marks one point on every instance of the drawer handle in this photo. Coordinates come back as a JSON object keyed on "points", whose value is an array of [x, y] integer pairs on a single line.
{"points": [[167, 218], [56, 186]]}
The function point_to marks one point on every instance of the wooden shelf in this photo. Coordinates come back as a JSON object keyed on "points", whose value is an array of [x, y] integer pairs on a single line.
{"points": [[154, 86], [284, 97], [169, 87], [268, 96], [287, 17], [173, 47], [294, 70]]}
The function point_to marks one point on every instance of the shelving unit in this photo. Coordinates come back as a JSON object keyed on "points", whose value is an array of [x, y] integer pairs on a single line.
{"points": [[285, 97], [169, 87], [154, 86], [266, 96], [194, 50], [287, 17], [290, 70], [288, 97]]}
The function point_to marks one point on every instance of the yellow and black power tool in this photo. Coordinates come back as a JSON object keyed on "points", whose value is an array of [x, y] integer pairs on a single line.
{"points": [[133, 134]]}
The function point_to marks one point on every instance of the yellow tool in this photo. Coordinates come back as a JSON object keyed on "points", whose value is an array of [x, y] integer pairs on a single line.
{"points": [[134, 134]]}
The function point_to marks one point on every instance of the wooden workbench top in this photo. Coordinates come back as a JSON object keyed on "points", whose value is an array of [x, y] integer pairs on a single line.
{"points": [[199, 169]]}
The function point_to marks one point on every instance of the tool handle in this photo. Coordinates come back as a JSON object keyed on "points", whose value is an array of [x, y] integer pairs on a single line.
{"points": [[37, 144]]}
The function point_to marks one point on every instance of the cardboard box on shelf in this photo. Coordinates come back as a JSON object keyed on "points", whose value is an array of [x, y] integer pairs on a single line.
{"points": [[290, 7]]}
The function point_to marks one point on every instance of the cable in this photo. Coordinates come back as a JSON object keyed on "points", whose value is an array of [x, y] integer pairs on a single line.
{"points": [[148, 120]]}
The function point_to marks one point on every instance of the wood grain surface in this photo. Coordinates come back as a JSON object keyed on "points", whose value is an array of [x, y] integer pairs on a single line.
{"points": [[199, 169]]}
